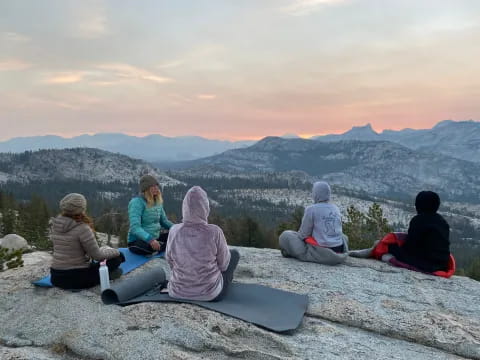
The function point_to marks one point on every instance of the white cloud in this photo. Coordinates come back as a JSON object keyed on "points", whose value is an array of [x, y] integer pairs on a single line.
{"points": [[103, 83], [66, 100], [14, 65], [178, 99], [105, 75], [93, 27], [208, 56], [126, 71], [14, 37], [305, 7], [206, 96], [89, 20], [171, 64]]}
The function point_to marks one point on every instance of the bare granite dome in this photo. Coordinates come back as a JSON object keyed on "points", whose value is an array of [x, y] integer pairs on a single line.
{"points": [[363, 309]]}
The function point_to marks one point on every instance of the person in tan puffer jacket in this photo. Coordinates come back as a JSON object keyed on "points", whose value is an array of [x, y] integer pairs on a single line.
{"points": [[75, 246]]}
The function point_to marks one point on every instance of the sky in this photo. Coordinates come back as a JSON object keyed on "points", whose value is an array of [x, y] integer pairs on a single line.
{"points": [[236, 69]]}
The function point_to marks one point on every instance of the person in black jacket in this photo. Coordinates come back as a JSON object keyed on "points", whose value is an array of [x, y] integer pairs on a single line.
{"points": [[427, 246]]}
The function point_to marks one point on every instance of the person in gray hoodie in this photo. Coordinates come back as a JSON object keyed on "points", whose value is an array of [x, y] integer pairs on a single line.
{"points": [[197, 252], [320, 238]]}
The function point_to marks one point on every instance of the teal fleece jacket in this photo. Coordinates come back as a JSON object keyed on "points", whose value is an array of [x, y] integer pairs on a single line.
{"points": [[145, 222]]}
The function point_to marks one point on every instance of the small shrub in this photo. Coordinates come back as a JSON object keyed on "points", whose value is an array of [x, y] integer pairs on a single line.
{"points": [[473, 270], [12, 259]]}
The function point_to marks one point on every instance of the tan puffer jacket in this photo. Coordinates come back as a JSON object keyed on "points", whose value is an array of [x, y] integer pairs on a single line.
{"points": [[74, 244]]}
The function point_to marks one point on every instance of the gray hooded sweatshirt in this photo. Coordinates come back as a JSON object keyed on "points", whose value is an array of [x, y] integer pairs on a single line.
{"points": [[322, 220], [197, 251]]}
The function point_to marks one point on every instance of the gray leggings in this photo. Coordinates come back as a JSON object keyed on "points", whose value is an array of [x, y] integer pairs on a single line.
{"points": [[228, 274], [294, 246]]}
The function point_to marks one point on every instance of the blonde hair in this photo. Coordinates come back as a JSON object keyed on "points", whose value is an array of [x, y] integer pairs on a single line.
{"points": [[153, 200]]}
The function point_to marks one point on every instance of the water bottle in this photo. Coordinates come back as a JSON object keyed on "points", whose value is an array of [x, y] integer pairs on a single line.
{"points": [[104, 277]]}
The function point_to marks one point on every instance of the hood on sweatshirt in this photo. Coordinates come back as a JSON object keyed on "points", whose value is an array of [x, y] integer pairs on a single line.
{"points": [[63, 224], [427, 202], [195, 207], [321, 191]]}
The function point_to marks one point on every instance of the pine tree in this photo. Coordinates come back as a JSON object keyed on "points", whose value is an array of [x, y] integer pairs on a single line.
{"points": [[123, 234], [376, 225], [293, 223], [33, 223], [249, 230], [363, 230], [473, 270], [9, 214], [9, 221], [354, 228]]}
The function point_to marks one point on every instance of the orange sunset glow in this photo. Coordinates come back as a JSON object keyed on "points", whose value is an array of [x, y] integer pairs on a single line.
{"points": [[236, 70]]}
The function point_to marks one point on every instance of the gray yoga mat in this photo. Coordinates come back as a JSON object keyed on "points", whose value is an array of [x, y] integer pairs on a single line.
{"points": [[272, 309]]}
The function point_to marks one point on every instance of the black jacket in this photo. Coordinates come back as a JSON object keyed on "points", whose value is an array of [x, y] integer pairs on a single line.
{"points": [[427, 246]]}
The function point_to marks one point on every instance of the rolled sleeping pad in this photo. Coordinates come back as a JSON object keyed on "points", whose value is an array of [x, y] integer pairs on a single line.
{"points": [[130, 288]]}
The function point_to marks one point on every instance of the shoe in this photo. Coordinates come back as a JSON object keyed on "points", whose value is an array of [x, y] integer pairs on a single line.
{"points": [[387, 257], [115, 274], [363, 253], [164, 287], [284, 253], [163, 247]]}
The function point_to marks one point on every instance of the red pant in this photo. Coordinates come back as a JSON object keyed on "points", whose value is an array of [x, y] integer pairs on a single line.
{"points": [[399, 238]]}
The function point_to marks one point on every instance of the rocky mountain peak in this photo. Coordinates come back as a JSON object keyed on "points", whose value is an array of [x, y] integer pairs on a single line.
{"points": [[365, 132]]}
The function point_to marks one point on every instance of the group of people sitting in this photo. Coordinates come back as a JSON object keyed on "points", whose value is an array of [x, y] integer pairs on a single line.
{"points": [[202, 266], [201, 263], [424, 248]]}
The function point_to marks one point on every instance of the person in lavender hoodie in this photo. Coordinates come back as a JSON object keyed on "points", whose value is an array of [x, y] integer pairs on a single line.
{"points": [[320, 238], [197, 252]]}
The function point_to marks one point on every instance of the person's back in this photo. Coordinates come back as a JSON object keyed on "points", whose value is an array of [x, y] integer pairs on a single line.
{"points": [[428, 241], [74, 246], [323, 222], [66, 237], [427, 245], [197, 252], [320, 238]]}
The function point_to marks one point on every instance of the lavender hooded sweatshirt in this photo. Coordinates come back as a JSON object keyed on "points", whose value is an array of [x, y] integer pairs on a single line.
{"points": [[197, 251]]}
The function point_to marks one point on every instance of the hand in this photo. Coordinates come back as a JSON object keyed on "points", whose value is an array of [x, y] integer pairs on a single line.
{"points": [[155, 245]]}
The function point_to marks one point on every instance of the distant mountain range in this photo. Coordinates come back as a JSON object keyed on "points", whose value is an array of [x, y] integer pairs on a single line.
{"points": [[382, 168], [460, 139], [150, 148]]}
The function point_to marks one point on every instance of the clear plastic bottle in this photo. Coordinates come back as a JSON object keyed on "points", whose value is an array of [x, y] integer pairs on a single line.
{"points": [[104, 276]]}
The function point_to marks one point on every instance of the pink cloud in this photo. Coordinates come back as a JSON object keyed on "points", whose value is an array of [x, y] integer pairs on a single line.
{"points": [[206, 96], [65, 78], [14, 65]]}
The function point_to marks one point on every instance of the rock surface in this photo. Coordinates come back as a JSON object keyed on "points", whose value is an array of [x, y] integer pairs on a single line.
{"points": [[363, 309], [13, 242]]}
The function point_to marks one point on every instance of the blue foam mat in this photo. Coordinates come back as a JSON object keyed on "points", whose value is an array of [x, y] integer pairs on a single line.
{"points": [[132, 261]]}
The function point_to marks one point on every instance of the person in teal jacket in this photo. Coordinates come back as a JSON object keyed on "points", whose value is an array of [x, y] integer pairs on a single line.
{"points": [[147, 218]]}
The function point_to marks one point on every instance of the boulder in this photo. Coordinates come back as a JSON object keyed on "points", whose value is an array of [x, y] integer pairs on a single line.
{"points": [[13, 242], [363, 309]]}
